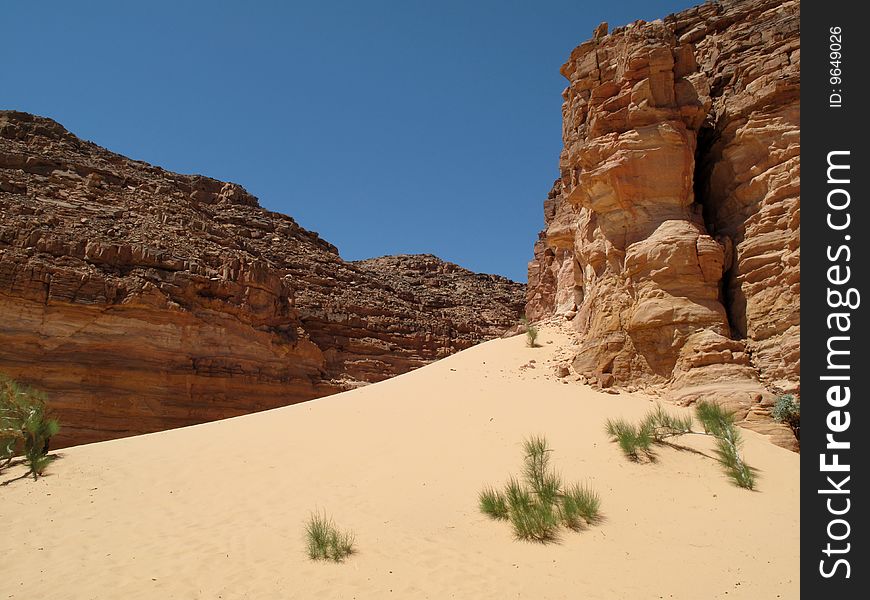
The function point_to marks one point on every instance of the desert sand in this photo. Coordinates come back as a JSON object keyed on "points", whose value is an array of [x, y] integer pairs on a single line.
{"points": [[218, 510]]}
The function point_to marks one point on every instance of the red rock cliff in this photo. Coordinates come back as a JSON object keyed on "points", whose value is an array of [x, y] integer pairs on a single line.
{"points": [[140, 299], [672, 237]]}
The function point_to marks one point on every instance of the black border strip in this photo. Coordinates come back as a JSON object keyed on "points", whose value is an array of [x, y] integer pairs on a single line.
{"points": [[835, 236]]}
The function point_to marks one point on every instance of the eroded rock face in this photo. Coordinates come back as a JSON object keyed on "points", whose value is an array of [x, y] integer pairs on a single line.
{"points": [[140, 299], [672, 236]]}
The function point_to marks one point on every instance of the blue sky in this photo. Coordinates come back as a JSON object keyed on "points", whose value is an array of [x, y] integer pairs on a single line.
{"points": [[387, 127]]}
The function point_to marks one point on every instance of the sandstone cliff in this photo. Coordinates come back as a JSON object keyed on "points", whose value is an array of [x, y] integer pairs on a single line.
{"points": [[672, 237], [140, 299]]}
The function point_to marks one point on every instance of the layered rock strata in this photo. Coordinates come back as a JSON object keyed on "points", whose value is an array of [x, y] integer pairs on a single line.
{"points": [[672, 237], [140, 299]]}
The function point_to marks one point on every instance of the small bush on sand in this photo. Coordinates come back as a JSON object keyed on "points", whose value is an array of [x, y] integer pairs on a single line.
{"points": [[787, 409], [538, 505], [531, 333], [579, 504], [720, 423], [38, 430], [25, 426], [657, 426], [535, 521], [493, 503], [635, 441], [325, 541], [7, 449]]}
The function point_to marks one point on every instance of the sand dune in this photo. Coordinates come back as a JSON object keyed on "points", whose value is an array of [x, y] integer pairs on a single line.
{"points": [[218, 510]]}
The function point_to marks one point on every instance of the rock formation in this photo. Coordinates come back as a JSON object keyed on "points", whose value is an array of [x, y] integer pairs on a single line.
{"points": [[672, 237], [140, 299]]}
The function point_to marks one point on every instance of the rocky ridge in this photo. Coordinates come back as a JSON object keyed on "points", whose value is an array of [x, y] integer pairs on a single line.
{"points": [[141, 299], [672, 239]]}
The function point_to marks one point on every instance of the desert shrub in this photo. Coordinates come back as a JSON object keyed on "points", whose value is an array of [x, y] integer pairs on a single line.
{"points": [[535, 521], [663, 425], [531, 333], [579, 504], [537, 505], [493, 503], [10, 423], [7, 449], [720, 423], [787, 409], [38, 430], [325, 541], [544, 482], [25, 426], [657, 426], [635, 441]]}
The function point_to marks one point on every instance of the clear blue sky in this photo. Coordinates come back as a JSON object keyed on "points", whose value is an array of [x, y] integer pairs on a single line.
{"points": [[387, 127]]}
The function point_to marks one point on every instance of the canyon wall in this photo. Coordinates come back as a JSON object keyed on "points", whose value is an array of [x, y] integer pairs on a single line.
{"points": [[672, 239], [140, 299]]}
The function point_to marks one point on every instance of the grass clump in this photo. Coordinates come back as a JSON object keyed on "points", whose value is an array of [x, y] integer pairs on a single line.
{"points": [[493, 503], [634, 440], [663, 425], [325, 541], [787, 409], [538, 505], [544, 482], [25, 426], [7, 449], [637, 440], [579, 504], [720, 423], [535, 521], [531, 333]]}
